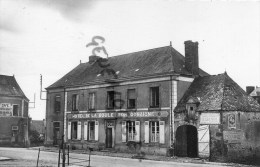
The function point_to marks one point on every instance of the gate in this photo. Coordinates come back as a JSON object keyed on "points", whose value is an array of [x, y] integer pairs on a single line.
{"points": [[203, 140]]}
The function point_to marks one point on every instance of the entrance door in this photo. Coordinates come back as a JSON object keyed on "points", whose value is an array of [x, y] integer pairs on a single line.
{"points": [[204, 141], [109, 138], [187, 141]]}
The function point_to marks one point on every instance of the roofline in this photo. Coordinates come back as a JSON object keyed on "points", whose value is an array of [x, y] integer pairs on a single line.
{"points": [[123, 80]]}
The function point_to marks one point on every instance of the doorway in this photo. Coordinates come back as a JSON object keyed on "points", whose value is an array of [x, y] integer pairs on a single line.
{"points": [[187, 141], [110, 134], [56, 133]]}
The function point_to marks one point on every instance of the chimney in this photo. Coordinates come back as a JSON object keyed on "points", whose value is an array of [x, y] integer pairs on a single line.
{"points": [[192, 57], [93, 58], [249, 89]]}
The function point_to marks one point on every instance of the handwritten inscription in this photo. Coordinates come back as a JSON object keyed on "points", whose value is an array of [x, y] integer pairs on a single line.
{"points": [[6, 109]]}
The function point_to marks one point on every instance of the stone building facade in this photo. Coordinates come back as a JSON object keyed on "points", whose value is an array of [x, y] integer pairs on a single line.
{"points": [[14, 120], [127, 105], [222, 120]]}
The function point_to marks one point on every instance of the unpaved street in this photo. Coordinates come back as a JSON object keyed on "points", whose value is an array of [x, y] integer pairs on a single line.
{"points": [[24, 157]]}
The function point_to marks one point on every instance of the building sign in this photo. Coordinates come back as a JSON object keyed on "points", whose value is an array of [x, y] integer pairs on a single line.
{"points": [[233, 136], [119, 114], [231, 121], [6, 110], [210, 118]]}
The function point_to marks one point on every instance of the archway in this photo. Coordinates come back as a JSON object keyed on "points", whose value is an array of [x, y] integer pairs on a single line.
{"points": [[186, 141]]}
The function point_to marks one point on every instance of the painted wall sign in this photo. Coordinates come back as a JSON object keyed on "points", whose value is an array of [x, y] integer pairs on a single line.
{"points": [[119, 115], [210, 118], [231, 121], [233, 136], [6, 109]]}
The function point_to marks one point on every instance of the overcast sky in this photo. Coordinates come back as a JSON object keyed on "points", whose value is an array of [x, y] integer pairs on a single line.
{"points": [[48, 37]]}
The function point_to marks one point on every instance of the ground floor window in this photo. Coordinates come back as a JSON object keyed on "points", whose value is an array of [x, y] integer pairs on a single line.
{"points": [[91, 130], [154, 131], [131, 132], [74, 130]]}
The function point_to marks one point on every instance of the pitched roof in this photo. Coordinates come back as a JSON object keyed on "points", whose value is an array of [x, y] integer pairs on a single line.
{"points": [[145, 63], [218, 92], [10, 87]]}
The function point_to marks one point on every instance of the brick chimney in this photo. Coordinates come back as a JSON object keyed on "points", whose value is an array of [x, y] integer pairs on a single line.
{"points": [[249, 89], [192, 57]]}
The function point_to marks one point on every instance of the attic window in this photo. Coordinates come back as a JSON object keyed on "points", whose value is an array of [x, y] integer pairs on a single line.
{"points": [[137, 69], [98, 75], [117, 72]]}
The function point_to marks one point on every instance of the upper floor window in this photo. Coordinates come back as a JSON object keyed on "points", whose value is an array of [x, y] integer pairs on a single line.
{"points": [[57, 103], [92, 101], [110, 99], [154, 97], [131, 98], [75, 102], [15, 110]]}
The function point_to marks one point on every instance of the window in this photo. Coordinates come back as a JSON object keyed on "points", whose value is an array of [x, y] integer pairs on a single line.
{"points": [[131, 132], [91, 101], [57, 103], [75, 102], [154, 97], [74, 130], [155, 130], [91, 130], [110, 99], [15, 110], [131, 98]]}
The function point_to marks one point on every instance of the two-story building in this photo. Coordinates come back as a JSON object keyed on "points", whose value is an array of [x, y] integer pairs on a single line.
{"points": [[14, 120], [125, 102]]}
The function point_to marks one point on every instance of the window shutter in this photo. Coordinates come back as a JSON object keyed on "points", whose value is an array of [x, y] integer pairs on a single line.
{"points": [[123, 131], [162, 125], [96, 130], [69, 130], [146, 132], [137, 128], [85, 130], [79, 131]]}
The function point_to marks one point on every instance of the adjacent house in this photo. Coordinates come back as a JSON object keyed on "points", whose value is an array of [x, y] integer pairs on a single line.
{"points": [[124, 102], [14, 120], [217, 119]]}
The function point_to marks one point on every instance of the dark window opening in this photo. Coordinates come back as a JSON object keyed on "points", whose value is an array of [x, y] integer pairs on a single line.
{"points": [[131, 98], [74, 130], [154, 97], [15, 110], [57, 103], [75, 102], [91, 130], [110, 99]]}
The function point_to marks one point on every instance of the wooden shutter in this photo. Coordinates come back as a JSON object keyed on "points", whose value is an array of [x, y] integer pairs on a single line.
{"points": [[146, 132], [79, 131], [96, 130], [69, 130], [137, 129], [123, 131], [85, 130], [162, 134]]}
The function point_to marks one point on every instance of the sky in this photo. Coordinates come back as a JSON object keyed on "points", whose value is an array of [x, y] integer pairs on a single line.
{"points": [[49, 37]]}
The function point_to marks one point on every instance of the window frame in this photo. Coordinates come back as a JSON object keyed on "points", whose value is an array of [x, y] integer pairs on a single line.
{"points": [[156, 131], [75, 105], [133, 131], [93, 103], [128, 99], [157, 98], [55, 103], [17, 110], [74, 124], [89, 130], [112, 102]]}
